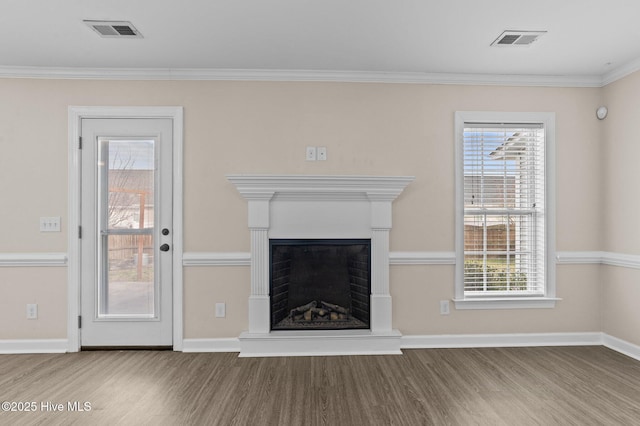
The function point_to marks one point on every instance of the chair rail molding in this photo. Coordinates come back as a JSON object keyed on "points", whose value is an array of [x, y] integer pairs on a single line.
{"points": [[33, 259]]}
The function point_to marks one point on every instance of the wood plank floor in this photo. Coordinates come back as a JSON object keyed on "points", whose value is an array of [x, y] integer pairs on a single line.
{"points": [[486, 386]]}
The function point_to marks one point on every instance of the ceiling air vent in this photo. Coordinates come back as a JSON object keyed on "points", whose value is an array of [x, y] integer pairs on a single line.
{"points": [[517, 38], [114, 29]]}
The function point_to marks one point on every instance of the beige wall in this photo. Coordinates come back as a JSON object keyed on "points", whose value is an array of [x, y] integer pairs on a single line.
{"points": [[620, 152], [264, 127]]}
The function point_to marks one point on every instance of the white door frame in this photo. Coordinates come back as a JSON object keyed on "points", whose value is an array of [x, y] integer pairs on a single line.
{"points": [[76, 114]]}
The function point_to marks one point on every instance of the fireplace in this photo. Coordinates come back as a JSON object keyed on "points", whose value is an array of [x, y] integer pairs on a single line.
{"points": [[320, 284], [327, 209]]}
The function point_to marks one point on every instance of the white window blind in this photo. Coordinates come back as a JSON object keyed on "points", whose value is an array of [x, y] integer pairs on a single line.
{"points": [[504, 224]]}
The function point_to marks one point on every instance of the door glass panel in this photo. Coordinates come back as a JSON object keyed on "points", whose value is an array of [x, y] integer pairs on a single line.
{"points": [[127, 284]]}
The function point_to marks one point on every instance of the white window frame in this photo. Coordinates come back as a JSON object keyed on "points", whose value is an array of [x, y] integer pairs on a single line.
{"points": [[548, 299]]}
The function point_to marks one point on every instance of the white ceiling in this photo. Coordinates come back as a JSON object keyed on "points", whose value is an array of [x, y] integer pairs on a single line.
{"points": [[585, 39]]}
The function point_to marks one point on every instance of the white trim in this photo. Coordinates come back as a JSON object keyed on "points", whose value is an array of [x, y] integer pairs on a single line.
{"points": [[320, 343], [422, 258], [319, 206], [244, 258], [33, 346], [507, 303], [501, 340], [211, 345], [621, 72], [319, 187], [619, 259], [301, 75], [405, 258], [33, 259], [579, 257], [599, 257], [25, 346], [216, 259], [75, 115], [621, 346], [548, 120]]}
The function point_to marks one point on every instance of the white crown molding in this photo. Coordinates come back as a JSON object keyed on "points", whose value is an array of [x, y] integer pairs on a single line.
{"points": [[299, 75], [33, 259], [621, 72]]}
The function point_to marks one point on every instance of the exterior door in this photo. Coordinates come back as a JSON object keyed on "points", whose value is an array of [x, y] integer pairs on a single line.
{"points": [[126, 242]]}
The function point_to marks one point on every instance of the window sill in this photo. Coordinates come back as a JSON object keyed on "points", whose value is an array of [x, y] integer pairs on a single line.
{"points": [[507, 303]]}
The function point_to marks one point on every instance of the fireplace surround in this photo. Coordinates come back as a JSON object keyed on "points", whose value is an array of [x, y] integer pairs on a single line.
{"points": [[319, 207]]}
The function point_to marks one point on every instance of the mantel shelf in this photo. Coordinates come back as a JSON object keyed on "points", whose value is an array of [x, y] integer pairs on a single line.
{"points": [[379, 188]]}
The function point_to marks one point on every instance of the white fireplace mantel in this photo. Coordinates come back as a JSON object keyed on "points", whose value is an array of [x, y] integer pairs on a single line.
{"points": [[298, 206]]}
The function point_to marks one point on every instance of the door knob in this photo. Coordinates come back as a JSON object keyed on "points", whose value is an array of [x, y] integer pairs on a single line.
{"points": [[164, 247]]}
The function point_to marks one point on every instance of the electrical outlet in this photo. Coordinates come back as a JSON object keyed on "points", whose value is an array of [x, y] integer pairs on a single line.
{"points": [[32, 311], [444, 307], [221, 310], [322, 153], [311, 153]]}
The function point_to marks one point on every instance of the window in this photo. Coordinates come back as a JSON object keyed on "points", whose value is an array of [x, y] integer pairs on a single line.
{"points": [[504, 210]]}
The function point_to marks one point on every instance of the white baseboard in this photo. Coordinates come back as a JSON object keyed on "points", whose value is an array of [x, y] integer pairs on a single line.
{"points": [[25, 346], [40, 346], [521, 340], [622, 346], [211, 345], [501, 340], [454, 341]]}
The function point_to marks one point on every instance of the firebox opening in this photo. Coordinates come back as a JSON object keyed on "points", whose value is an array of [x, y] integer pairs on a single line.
{"points": [[322, 284]]}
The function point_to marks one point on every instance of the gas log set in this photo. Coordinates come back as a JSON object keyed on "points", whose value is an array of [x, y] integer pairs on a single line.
{"points": [[320, 313]]}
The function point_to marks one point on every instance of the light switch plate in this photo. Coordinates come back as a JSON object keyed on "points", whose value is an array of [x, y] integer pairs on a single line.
{"points": [[32, 311], [221, 310], [50, 224]]}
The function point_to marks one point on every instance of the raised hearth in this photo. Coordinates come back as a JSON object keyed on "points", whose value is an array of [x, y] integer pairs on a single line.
{"points": [[319, 207]]}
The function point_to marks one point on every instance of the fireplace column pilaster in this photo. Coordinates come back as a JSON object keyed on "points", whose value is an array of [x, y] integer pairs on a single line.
{"points": [[259, 304], [380, 296]]}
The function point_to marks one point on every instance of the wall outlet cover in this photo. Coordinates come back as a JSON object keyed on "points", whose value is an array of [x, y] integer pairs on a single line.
{"points": [[32, 311], [221, 310], [444, 307]]}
